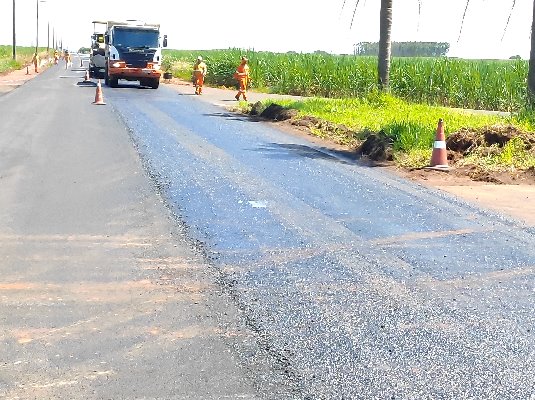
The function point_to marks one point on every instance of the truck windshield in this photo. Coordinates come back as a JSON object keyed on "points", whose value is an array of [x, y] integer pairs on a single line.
{"points": [[131, 37]]}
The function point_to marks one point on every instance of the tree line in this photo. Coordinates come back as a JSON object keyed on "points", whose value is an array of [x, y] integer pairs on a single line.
{"points": [[404, 49]]}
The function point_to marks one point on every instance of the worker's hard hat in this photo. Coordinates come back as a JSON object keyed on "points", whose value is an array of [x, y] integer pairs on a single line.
{"points": [[244, 58], [199, 58]]}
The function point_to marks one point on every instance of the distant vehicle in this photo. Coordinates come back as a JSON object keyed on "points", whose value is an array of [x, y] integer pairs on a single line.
{"points": [[130, 50], [97, 55]]}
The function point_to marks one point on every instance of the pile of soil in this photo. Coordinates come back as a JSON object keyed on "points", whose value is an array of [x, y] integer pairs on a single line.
{"points": [[274, 112], [466, 141], [489, 142], [377, 147]]}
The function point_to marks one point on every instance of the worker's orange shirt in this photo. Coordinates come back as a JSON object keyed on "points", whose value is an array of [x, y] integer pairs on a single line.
{"points": [[243, 70], [200, 69]]}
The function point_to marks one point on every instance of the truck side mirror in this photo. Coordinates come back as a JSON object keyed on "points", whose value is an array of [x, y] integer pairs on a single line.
{"points": [[164, 40]]}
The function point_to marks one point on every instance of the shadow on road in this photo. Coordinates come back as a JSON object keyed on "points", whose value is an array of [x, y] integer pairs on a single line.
{"points": [[230, 116], [290, 150]]}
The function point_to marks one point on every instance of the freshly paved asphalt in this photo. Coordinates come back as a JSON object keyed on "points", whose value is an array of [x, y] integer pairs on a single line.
{"points": [[359, 284], [318, 278]]}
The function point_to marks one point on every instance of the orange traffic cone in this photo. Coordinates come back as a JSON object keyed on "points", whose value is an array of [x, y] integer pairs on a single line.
{"points": [[99, 100], [439, 157], [86, 77]]}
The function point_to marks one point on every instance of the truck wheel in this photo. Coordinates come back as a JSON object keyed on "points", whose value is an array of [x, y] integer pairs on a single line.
{"points": [[154, 83], [114, 82]]}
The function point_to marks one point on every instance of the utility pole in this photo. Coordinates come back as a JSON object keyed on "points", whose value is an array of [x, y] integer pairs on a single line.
{"points": [[14, 36], [37, 22], [37, 26]]}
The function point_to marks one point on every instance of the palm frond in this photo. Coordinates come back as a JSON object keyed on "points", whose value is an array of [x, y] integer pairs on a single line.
{"points": [[508, 19], [342, 9], [354, 12], [462, 21]]}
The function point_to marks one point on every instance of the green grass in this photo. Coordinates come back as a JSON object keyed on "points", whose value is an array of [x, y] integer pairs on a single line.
{"points": [[23, 57], [411, 127]]}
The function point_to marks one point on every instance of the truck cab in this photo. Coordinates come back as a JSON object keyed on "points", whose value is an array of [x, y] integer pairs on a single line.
{"points": [[133, 52]]}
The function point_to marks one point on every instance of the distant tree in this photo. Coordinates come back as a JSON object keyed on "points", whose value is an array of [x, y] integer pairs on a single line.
{"points": [[405, 49], [517, 57]]}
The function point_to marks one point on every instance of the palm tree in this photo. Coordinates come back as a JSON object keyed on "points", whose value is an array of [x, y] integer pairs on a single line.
{"points": [[385, 44], [385, 41]]}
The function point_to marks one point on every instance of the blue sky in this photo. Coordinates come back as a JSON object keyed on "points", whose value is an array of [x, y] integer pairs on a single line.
{"points": [[284, 25]]}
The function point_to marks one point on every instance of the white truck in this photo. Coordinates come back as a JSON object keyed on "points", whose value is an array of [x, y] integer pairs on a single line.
{"points": [[97, 59], [130, 50]]}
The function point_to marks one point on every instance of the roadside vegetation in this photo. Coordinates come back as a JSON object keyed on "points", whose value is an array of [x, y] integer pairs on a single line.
{"points": [[498, 85], [23, 57], [341, 103]]}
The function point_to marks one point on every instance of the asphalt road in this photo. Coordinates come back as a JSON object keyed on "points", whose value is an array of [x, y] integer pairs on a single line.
{"points": [[324, 279], [102, 294]]}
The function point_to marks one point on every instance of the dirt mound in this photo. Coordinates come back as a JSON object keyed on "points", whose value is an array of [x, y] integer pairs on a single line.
{"points": [[465, 141], [276, 112], [377, 147]]}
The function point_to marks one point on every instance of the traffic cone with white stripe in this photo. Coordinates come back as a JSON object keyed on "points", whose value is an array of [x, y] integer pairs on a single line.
{"points": [[86, 76], [99, 100], [439, 157]]}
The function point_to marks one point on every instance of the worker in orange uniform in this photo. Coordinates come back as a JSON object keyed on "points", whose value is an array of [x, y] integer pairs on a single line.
{"points": [[68, 59], [242, 76], [56, 57], [36, 60], [199, 72]]}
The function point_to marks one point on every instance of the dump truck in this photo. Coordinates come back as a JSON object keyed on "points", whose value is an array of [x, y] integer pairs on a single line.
{"points": [[97, 53], [132, 50]]}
